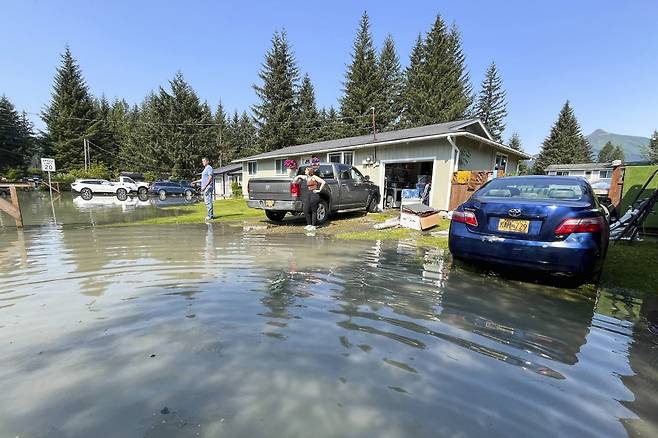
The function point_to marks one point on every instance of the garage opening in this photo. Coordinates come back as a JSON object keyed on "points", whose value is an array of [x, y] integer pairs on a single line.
{"points": [[400, 176]]}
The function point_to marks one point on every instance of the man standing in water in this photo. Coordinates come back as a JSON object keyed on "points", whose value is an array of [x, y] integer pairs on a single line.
{"points": [[207, 186]]}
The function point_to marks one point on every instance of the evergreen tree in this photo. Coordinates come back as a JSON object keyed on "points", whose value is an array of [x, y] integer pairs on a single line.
{"points": [[392, 85], [515, 142], [223, 153], [16, 137], [363, 85], [276, 114], [332, 125], [618, 154], [605, 154], [491, 108], [437, 86], [70, 116], [309, 117], [565, 143], [651, 151]]}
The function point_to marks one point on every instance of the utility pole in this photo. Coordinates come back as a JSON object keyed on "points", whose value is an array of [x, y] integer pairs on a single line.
{"points": [[85, 148], [374, 128]]}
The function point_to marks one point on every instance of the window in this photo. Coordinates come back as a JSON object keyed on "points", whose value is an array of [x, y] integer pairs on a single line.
{"points": [[562, 173], [588, 174], [280, 168], [534, 188], [252, 167], [341, 157], [356, 175], [335, 157], [325, 171], [605, 174], [348, 158], [501, 162]]}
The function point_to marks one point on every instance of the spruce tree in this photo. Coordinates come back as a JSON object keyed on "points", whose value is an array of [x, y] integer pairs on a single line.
{"points": [[276, 114], [222, 150], [363, 85], [392, 85], [565, 143], [618, 154], [437, 87], [310, 121], [70, 116], [651, 151], [332, 125], [491, 107], [16, 137], [605, 154], [515, 142]]}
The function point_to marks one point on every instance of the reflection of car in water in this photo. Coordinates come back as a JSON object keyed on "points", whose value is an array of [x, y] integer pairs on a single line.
{"points": [[548, 223]]}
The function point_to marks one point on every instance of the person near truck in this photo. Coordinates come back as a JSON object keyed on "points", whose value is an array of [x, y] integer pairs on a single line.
{"points": [[311, 199], [207, 187]]}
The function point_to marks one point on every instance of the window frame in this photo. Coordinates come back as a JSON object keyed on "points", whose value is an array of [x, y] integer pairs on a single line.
{"points": [[282, 170], [500, 154], [249, 168], [341, 154]]}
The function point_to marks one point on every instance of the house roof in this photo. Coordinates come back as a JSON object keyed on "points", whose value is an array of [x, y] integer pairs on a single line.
{"points": [[470, 127], [228, 169], [581, 166]]}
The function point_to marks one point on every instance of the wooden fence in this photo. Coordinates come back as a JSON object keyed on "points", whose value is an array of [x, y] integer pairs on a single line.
{"points": [[465, 182]]}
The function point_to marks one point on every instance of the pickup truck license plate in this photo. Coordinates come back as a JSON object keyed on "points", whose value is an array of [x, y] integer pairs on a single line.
{"points": [[513, 225], [269, 203]]}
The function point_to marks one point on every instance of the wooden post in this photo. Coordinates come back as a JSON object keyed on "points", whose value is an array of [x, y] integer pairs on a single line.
{"points": [[13, 208], [616, 186]]}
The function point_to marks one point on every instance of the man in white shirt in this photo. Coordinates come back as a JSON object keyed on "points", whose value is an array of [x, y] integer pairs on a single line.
{"points": [[207, 186]]}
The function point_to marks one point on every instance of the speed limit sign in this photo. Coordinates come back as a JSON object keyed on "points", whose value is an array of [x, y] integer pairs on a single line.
{"points": [[48, 164]]}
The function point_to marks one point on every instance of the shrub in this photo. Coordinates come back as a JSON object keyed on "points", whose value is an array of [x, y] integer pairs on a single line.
{"points": [[236, 190], [13, 174]]}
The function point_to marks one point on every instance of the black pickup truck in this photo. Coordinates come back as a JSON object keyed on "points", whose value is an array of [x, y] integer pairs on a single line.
{"points": [[346, 190]]}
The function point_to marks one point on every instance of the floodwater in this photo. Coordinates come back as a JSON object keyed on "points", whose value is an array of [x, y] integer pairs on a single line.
{"points": [[211, 330]]}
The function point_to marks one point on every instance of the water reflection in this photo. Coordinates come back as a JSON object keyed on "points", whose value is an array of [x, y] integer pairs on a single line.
{"points": [[243, 334]]}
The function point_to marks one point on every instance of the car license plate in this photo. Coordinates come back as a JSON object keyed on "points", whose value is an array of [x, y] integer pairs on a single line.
{"points": [[269, 203], [513, 225]]}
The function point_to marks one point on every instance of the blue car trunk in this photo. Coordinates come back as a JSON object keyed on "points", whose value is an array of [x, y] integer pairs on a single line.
{"points": [[527, 219]]}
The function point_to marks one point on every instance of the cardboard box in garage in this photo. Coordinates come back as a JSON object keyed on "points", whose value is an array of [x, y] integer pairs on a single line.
{"points": [[419, 219]]}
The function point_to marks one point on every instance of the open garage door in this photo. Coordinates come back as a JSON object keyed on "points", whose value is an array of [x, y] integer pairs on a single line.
{"points": [[405, 175]]}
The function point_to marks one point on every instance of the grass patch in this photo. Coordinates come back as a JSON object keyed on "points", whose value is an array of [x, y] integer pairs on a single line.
{"points": [[423, 239], [632, 266], [225, 210]]}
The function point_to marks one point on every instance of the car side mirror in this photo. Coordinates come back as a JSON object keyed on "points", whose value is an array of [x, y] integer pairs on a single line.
{"points": [[366, 178]]}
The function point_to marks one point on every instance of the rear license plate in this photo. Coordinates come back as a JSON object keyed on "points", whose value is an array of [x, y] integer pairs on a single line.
{"points": [[269, 203], [513, 225]]}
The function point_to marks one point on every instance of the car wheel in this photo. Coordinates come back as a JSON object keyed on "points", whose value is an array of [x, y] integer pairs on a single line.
{"points": [[373, 204], [162, 194], [322, 213], [188, 193], [122, 194], [142, 191], [86, 194], [275, 216]]}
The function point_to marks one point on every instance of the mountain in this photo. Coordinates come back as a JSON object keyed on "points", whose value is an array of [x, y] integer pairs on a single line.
{"points": [[631, 144]]}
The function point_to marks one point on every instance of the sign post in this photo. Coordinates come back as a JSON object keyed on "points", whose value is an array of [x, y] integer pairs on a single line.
{"points": [[48, 165]]}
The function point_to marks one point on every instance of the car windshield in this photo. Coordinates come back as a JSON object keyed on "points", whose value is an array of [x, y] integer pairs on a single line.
{"points": [[535, 188]]}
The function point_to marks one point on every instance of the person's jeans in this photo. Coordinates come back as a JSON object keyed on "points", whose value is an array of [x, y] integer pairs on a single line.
{"points": [[207, 196]]}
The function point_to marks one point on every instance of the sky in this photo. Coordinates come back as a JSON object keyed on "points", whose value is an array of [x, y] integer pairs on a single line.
{"points": [[601, 55]]}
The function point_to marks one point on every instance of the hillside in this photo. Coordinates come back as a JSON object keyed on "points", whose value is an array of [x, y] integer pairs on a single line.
{"points": [[631, 144]]}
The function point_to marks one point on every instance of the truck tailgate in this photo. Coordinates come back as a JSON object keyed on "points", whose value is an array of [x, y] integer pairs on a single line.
{"points": [[277, 189]]}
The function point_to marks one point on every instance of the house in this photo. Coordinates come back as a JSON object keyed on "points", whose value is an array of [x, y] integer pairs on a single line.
{"points": [[401, 158], [225, 176], [590, 171]]}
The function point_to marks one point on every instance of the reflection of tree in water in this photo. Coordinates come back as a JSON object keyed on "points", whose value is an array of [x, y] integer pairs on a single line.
{"points": [[643, 359]]}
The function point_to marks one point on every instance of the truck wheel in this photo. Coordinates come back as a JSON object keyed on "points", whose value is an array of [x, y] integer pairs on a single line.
{"points": [[322, 213], [86, 194], [372, 205], [142, 191], [122, 194], [275, 216]]}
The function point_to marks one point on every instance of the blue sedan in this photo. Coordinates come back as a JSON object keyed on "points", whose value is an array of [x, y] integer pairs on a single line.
{"points": [[548, 223]]}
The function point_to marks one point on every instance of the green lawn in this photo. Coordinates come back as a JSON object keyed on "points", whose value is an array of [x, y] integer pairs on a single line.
{"points": [[632, 266], [423, 238], [225, 210]]}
